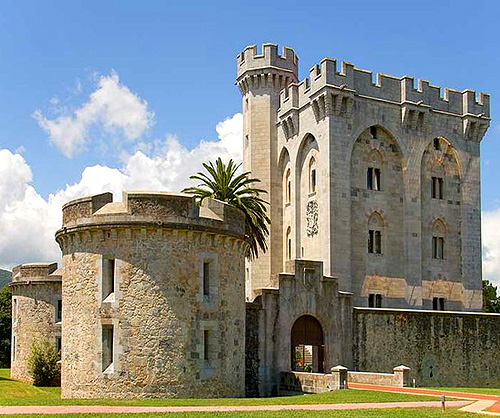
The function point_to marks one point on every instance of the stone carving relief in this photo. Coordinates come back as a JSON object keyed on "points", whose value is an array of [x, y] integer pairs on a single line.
{"points": [[312, 218]]}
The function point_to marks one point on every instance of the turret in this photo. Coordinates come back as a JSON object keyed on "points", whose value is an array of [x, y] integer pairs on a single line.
{"points": [[261, 77]]}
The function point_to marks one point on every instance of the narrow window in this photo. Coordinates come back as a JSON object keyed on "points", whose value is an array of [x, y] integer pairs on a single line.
{"points": [[369, 178], [371, 237], [374, 241], [438, 248], [107, 346], [371, 300], [206, 344], [435, 304], [289, 249], [437, 188], [59, 311], [14, 310], [246, 141], [373, 179], [108, 277], [313, 180], [378, 300], [206, 278], [59, 346], [14, 348], [441, 304], [438, 304], [437, 145], [373, 132]]}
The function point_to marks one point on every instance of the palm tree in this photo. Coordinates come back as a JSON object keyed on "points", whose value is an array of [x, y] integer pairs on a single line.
{"points": [[223, 183]]}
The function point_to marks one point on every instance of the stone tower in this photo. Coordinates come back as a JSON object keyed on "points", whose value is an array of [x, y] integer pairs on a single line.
{"points": [[154, 299], [375, 176], [261, 77], [36, 312]]}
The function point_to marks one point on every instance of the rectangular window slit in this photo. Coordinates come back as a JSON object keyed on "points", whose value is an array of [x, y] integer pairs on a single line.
{"points": [[107, 346]]}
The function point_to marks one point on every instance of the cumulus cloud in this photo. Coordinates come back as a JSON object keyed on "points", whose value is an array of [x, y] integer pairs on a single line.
{"points": [[112, 108], [28, 221], [491, 246]]}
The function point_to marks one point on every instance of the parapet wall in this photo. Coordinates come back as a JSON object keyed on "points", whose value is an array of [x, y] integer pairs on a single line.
{"points": [[399, 90], [35, 272], [174, 210], [249, 59], [441, 348]]}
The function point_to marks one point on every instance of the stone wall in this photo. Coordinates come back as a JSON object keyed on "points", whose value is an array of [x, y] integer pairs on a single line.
{"points": [[441, 348], [158, 311], [36, 290]]}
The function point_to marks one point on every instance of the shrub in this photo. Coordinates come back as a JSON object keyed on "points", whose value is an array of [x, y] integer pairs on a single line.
{"points": [[42, 363]]}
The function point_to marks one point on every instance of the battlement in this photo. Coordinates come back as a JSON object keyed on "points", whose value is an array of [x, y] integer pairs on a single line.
{"points": [[146, 209], [35, 272], [250, 59], [399, 90]]}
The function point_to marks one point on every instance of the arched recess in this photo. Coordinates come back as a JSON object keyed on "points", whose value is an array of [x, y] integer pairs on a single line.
{"points": [[377, 187], [284, 204], [307, 345], [308, 184], [441, 214]]}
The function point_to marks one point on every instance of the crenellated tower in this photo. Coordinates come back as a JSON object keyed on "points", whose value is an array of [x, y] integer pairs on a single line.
{"points": [[261, 77]]}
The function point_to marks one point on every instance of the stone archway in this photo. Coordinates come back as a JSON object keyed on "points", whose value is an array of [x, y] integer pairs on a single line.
{"points": [[307, 345]]}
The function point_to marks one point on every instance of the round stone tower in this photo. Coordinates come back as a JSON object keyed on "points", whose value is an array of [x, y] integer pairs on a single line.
{"points": [[36, 312], [154, 299]]}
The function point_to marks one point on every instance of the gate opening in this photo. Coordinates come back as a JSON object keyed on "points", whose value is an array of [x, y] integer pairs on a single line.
{"points": [[307, 345]]}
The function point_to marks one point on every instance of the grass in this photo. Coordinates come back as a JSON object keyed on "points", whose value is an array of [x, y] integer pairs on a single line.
{"points": [[17, 393], [379, 413]]}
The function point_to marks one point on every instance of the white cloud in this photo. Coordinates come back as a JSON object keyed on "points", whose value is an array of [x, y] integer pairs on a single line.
{"points": [[28, 221], [491, 246], [112, 108]]}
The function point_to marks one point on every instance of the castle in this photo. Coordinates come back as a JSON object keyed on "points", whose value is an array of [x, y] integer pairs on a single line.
{"points": [[374, 255]]}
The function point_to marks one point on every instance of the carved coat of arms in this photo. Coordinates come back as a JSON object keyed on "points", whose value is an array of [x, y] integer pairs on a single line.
{"points": [[312, 218]]}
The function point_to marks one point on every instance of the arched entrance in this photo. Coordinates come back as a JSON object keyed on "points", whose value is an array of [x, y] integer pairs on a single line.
{"points": [[307, 345]]}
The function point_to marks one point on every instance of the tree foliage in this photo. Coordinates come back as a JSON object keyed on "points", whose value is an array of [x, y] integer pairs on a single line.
{"points": [[5, 325], [223, 183], [491, 299], [42, 363]]}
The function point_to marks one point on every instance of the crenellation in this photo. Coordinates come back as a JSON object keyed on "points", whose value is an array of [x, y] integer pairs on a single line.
{"points": [[389, 88], [249, 59]]}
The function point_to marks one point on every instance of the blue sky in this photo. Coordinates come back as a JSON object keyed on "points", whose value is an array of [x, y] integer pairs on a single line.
{"points": [[178, 60]]}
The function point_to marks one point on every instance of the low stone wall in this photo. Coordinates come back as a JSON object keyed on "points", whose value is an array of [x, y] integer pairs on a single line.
{"points": [[398, 379], [441, 348], [302, 382]]}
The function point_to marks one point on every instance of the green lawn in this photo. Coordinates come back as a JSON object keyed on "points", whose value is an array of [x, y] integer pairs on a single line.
{"points": [[17, 393], [380, 413]]}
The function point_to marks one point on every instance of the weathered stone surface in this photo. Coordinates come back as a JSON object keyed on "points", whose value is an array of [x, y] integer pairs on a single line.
{"points": [[442, 349], [158, 311], [36, 290]]}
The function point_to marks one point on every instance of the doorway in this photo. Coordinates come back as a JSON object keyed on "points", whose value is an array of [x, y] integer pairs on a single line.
{"points": [[307, 345]]}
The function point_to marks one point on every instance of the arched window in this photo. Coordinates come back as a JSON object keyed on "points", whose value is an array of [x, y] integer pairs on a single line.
{"points": [[307, 344], [375, 229], [312, 175], [289, 243], [438, 240]]}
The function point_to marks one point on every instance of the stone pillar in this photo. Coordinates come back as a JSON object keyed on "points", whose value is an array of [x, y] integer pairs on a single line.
{"points": [[402, 374], [339, 374]]}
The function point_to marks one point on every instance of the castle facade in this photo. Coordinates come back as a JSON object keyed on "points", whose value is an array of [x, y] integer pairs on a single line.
{"points": [[378, 179]]}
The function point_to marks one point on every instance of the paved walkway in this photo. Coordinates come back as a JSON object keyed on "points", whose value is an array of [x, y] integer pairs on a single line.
{"points": [[486, 404], [74, 409]]}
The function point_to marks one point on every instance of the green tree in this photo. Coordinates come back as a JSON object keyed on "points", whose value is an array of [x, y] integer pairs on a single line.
{"points": [[42, 363], [223, 183], [491, 300], [5, 325]]}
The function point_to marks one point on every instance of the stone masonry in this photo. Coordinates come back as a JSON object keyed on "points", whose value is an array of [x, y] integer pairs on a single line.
{"points": [[314, 143], [36, 298], [158, 329]]}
